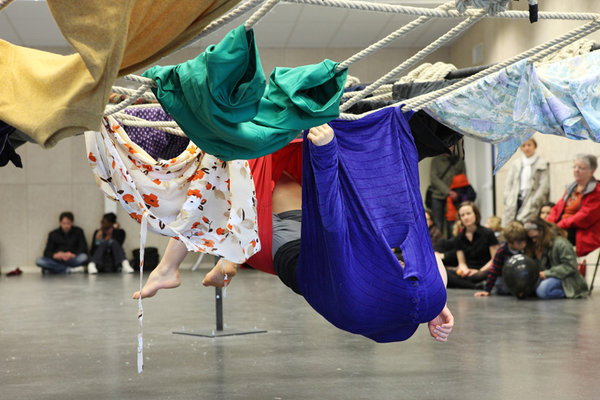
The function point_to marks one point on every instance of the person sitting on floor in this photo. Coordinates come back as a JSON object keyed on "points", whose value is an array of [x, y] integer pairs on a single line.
{"points": [[516, 241], [107, 251], [476, 248], [286, 208], [559, 276], [66, 248]]}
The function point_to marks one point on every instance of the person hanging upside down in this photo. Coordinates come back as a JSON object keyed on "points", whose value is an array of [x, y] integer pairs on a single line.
{"points": [[287, 216]]}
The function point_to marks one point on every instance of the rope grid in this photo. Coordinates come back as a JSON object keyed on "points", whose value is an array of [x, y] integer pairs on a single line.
{"points": [[380, 89]]}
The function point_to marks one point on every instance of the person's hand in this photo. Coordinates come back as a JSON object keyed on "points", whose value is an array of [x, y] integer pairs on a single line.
{"points": [[542, 275], [482, 293], [463, 271], [441, 326], [68, 255], [453, 195], [58, 255], [320, 135]]}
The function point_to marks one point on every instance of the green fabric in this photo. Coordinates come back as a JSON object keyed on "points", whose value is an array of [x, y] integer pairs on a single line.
{"points": [[562, 263], [221, 101]]}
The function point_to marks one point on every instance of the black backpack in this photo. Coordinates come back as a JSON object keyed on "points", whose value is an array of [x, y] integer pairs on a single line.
{"points": [[151, 259]]}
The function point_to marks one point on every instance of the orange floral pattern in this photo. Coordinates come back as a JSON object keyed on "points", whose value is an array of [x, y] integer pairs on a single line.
{"points": [[188, 197]]}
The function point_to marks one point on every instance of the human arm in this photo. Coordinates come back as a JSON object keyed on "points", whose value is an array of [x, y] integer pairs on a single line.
{"points": [[540, 195], [494, 271], [462, 264], [563, 260], [81, 242], [587, 215], [441, 326], [438, 167], [50, 251], [556, 210], [324, 161], [493, 249]]}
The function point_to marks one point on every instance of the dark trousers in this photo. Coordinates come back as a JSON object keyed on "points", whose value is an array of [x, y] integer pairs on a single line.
{"points": [[455, 281], [438, 209], [105, 245]]}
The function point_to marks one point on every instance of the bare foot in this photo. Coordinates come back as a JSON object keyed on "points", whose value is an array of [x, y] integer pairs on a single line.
{"points": [[216, 276], [160, 278]]}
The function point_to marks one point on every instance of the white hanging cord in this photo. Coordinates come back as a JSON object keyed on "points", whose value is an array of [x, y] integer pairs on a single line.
{"points": [[140, 348], [262, 11], [533, 54], [4, 3], [429, 12], [448, 36], [388, 39]]}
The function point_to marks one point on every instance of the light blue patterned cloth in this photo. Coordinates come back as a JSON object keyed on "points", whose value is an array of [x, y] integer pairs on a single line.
{"points": [[509, 106]]}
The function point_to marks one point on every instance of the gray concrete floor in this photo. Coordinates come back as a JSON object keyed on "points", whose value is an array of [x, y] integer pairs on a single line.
{"points": [[74, 337]]}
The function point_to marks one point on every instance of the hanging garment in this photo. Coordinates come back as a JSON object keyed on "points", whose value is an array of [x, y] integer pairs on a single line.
{"points": [[50, 96], [221, 101], [509, 106], [360, 198], [7, 150], [208, 204], [266, 171], [157, 143]]}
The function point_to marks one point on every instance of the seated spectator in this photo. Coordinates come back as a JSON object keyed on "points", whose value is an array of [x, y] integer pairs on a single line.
{"points": [[107, 251], [559, 276], [434, 233], [578, 211], [516, 241], [545, 210], [476, 247], [66, 248], [495, 224]]}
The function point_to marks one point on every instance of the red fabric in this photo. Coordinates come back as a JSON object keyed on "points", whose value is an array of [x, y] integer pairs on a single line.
{"points": [[586, 221], [266, 171], [458, 181]]}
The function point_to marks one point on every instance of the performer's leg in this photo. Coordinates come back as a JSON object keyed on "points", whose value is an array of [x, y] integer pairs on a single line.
{"points": [[166, 274]]}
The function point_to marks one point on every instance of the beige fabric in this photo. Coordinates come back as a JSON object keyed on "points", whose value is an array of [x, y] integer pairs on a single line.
{"points": [[50, 97], [534, 198]]}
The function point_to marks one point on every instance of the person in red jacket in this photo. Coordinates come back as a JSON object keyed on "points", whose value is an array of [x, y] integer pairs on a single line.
{"points": [[578, 211]]}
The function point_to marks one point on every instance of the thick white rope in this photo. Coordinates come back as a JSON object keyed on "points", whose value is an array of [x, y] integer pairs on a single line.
{"points": [[536, 53], [429, 12], [166, 126], [448, 36], [217, 23], [261, 12], [389, 39], [148, 96], [113, 108]]}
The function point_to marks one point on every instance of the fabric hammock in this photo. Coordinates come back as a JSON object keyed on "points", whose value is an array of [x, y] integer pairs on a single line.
{"points": [[208, 204], [508, 107], [360, 198]]}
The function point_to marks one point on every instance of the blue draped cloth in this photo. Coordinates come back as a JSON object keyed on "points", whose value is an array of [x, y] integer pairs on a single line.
{"points": [[360, 198], [509, 106]]}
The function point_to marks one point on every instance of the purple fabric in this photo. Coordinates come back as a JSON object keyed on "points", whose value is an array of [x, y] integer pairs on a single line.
{"points": [[157, 143], [360, 198]]}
